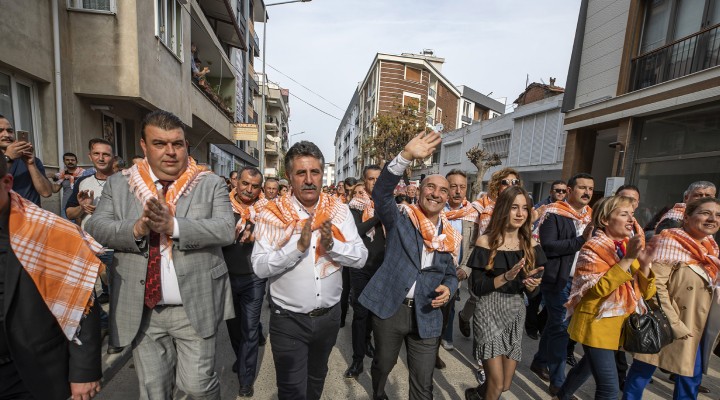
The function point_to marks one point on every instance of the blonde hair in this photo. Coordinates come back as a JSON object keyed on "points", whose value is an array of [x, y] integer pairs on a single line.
{"points": [[605, 206]]}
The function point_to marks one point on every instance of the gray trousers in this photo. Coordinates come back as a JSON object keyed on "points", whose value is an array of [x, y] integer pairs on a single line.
{"points": [[169, 353], [389, 336], [469, 309]]}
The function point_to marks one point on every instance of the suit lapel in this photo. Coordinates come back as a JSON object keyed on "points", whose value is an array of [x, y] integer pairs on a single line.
{"points": [[183, 203]]}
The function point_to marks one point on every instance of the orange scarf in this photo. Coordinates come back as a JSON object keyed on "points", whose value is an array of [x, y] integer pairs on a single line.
{"points": [[143, 186], [60, 259], [675, 245], [677, 213], [485, 206], [279, 221], [564, 209], [597, 256], [342, 197], [448, 241], [367, 207], [246, 213], [467, 212], [74, 175]]}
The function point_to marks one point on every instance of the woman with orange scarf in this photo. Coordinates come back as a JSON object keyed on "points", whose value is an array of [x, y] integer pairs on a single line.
{"points": [[612, 277], [686, 265]]}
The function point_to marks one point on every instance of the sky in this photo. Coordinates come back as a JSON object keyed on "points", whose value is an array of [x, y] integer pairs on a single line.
{"points": [[489, 45]]}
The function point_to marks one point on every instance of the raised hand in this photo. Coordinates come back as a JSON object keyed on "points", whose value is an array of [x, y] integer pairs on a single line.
{"points": [[158, 214], [421, 146], [326, 237], [634, 247], [305, 236]]}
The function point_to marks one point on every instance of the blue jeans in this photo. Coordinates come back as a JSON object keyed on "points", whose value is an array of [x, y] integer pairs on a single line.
{"points": [[552, 349], [248, 292], [448, 331], [600, 363], [686, 387]]}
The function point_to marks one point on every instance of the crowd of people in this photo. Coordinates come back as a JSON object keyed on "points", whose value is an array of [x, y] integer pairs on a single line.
{"points": [[179, 250]]}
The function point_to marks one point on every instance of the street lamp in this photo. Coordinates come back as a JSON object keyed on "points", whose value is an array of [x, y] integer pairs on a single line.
{"points": [[261, 142], [294, 134]]}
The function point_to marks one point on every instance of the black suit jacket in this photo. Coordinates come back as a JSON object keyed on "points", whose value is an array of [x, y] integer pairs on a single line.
{"points": [[560, 242], [46, 361]]}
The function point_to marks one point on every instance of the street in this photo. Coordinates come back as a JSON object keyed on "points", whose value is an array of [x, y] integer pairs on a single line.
{"points": [[450, 383]]}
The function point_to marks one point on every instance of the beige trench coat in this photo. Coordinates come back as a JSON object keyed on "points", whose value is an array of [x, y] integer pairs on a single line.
{"points": [[686, 297]]}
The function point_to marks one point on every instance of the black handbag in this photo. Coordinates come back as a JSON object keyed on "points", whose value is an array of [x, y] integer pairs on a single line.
{"points": [[647, 333]]}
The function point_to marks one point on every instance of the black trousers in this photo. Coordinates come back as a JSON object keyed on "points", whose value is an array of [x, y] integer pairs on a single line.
{"points": [[389, 336], [301, 347], [534, 321], [11, 385], [345, 295], [361, 316]]}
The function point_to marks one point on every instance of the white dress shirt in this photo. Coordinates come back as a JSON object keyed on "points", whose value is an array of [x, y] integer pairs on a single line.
{"points": [[294, 283], [168, 278]]}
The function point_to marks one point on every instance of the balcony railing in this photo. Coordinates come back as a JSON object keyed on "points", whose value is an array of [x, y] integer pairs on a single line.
{"points": [[432, 93], [683, 57]]}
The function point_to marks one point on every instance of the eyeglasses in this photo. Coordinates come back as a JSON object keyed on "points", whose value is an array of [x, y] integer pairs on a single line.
{"points": [[563, 191], [8, 130], [509, 182]]}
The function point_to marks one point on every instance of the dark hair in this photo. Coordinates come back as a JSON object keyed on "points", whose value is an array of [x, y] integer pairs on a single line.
{"points": [[252, 171], [95, 141], [350, 181], [558, 182], [235, 172], [692, 206], [272, 179], [402, 197], [627, 187], [120, 162], [456, 171], [500, 220], [303, 148], [70, 155], [650, 226], [371, 167], [162, 119], [573, 181]]}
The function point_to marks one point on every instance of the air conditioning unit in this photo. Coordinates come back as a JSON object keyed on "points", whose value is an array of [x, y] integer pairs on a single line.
{"points": [[612, 183]]}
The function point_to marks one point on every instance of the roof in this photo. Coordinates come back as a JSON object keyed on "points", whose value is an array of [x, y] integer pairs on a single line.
{"points": [[481, 99], [414, 59], [237, 152], [551, 89]]}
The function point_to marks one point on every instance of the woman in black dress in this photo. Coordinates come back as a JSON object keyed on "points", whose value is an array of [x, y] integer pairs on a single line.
{"points": [[507, 263]]}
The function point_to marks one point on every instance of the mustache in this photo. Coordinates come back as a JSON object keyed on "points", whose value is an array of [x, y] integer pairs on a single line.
{"points": [[585, 196], [308, 187]]}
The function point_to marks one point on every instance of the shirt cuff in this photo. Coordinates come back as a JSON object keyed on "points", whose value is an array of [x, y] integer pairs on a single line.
{"points": [[176, 229], [398, 165]]}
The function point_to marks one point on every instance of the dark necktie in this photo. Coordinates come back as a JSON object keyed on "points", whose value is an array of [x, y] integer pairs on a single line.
{"points": [[153, 287]]}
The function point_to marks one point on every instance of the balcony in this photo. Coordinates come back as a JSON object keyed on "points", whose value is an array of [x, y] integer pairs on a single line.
{"points": [[255, 39], [466, 119], [691, 54], [432, 93], [225, 24], [271, 124], [271, 148]]}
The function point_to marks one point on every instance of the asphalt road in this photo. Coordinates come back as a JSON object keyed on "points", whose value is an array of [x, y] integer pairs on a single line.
{"points": [[450, 383]]}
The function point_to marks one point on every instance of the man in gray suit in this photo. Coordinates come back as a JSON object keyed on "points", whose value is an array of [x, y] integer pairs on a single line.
{"points": [[167, 219]]}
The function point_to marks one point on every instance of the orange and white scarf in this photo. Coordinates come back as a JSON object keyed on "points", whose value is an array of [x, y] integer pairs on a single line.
{"points": [[597, 256], [675, 245], [247, 213], [367, 206], [279, 221], [677, 213], [60, 176], [447, 242], [582, 218], [144, 188], [485, 206], [59, 257], [467, 212]]}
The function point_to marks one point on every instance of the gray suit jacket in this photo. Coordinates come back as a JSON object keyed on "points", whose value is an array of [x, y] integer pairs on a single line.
{"points": [[206, 224]]}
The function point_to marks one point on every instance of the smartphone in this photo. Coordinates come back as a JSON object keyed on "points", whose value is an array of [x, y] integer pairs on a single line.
{"points": [[23, 136]]}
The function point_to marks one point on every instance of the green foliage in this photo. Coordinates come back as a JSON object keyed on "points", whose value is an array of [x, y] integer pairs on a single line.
{"points": [[392, 131]]}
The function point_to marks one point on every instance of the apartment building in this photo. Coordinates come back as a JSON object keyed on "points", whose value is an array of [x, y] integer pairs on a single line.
{"points": [[530, 139], [643, 97], [277, 115], [329, 174], [475, 106], [348, 157], [97, 67]]}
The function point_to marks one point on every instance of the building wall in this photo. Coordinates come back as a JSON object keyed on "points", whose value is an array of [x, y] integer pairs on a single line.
{"points": [[393, 84], [448, 102]]}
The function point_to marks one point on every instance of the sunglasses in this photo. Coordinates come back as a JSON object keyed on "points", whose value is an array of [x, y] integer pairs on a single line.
{"points": [[510, 182], [8, 130], [563, 191]]}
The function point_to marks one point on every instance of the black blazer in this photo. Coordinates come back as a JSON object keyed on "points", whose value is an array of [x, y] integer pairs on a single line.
{"points": [[46, 360], [560, 242]]}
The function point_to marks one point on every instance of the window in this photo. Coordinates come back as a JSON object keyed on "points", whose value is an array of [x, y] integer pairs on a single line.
{"points": [[669, 20], [467, 109], [114, 132], [413, 74], [107, 6], [452, 153], [18, 103], [438, 115], [411, 100], [499, 144], [168, 25]]}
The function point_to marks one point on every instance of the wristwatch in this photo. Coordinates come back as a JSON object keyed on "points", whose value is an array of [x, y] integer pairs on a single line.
{"points": [[8, 159]]}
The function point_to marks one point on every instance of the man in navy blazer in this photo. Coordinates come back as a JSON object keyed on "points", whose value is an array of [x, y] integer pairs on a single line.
{"points": [[412, 283]]}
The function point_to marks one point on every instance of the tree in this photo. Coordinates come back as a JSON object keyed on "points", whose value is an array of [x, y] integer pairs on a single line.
{"points": [[393, 130], [483, 160]]}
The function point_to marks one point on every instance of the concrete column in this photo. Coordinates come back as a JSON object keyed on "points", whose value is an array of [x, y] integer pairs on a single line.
{"points": [[579, 150]]}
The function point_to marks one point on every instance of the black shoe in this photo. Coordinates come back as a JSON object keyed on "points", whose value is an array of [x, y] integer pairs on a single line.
{"points": [[103, 298], [246, 391], [541, 372], [262, 340], [703, 389], [553, 390], [370, 350], [114, 350], [356, 368], [383, 397], [532, 334], [464, 325], [439, 363], [571, 360], [472, 394]]}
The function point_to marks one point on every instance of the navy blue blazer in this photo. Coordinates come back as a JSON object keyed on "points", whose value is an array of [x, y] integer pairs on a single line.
{"points": [[560, 242], [387, 289]]}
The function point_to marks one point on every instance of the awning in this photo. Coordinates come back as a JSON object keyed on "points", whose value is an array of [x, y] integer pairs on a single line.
{"points": [[237, 152]]}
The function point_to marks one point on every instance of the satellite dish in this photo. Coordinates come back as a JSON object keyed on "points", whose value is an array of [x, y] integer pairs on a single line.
{"points": [[439, 127]]}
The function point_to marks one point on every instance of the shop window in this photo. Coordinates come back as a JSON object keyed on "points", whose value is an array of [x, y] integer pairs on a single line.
{"points": [[107, 6]]}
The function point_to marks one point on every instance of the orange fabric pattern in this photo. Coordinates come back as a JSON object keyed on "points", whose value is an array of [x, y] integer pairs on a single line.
{"points": [[59, 257], [467, 212], [74, 175], [246, 213], [677, 213], [279, 221], [367, 206], [675, 245], [485, 206], [563, 208], [448, 241]]}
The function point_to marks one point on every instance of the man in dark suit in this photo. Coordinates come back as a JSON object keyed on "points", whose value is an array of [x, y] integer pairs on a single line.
{"points": [[563, 230], [417, 276], [37, 361]]}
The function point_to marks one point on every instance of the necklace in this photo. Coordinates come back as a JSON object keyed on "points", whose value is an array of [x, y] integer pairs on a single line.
{"points": [[100, 182], [507, 245]]}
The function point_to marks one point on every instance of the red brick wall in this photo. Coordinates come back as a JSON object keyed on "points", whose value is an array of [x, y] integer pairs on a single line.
{"points": [[393, 84], [448, 101]]}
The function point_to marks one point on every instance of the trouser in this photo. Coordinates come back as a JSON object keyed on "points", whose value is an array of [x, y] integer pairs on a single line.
{"points": [[448, 318], [468, 310], [600, 363], [552, 349], [389, 336], [361, 327], [301, 346], [534, 321], [622, 367], [11, 384], [686, 387], [345, 295], [244, 330], [168, 350]]}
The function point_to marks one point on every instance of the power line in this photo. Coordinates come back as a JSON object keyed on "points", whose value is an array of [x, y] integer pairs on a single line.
{"points": [[305, 87], [324, 112]]}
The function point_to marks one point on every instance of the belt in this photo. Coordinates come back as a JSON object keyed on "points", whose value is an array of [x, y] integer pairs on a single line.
{"points": [[318, 312], [409, 302], [6, 359]]}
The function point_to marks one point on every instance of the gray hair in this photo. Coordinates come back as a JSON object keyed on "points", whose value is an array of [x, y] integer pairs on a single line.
{"points": [[698, 185], [303, 148]]}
